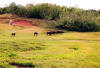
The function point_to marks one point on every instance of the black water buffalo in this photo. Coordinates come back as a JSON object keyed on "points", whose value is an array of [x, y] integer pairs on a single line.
{"points": [[35, 33], [54, 32], [13, 34], [49, 33]]}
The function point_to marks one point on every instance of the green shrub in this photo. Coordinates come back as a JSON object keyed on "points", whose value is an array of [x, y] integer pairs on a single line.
{"points": [[81, 23]]}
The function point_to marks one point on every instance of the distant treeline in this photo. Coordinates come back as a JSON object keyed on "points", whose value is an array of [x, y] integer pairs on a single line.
{"points": [[74, 19]]}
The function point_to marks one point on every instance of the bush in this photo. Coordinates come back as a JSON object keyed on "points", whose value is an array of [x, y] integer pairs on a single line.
{"points": [[81, 23], [44, 11], [1, 11]]}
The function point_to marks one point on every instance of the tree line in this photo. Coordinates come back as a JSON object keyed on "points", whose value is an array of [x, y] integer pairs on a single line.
{"points": [[73, 19]]}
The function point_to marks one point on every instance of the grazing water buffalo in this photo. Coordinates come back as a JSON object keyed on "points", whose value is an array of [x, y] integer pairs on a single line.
{"points": [[49, 33], [13, 34], [54, 32], [35, 33]]}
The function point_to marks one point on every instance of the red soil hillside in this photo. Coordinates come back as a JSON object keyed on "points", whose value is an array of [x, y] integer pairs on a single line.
{"points": [[22, 23]]}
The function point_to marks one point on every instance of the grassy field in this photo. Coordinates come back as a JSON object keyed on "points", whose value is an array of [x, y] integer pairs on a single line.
{"points": [[69, 50]]}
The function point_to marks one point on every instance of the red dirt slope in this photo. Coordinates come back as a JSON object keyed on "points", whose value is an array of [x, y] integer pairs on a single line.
{"points": [[22, 23]]}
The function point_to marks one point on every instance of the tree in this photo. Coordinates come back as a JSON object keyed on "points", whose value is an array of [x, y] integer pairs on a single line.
{"points": [[13, 8]]}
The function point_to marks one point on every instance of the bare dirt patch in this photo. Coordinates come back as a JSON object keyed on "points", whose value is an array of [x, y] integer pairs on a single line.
{"points": [[22, 23]]}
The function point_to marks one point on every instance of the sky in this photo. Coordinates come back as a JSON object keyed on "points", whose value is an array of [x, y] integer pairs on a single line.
{"points": [[84, 4]]}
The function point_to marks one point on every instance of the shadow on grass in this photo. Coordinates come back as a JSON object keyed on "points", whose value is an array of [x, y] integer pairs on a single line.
{"points": [[22, 65]]}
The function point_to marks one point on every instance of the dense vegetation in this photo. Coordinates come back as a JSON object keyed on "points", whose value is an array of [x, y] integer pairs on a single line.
{"points": [[73, 19]]}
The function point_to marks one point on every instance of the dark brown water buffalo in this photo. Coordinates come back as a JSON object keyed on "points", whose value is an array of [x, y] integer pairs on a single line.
{"points": [[13, 34], [36, 33], [51, 33], [54, 32]]}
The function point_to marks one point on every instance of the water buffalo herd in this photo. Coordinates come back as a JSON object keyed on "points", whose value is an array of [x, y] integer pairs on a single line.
{"points": [[13, 34], [49, 33], [54, 32]]}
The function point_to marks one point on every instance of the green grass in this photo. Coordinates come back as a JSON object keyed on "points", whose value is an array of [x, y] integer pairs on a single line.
{"points": [[69, 50]]}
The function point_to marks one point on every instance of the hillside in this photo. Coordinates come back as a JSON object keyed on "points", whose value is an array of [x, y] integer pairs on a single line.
{"points": [[4, 18], [55, 16]]}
